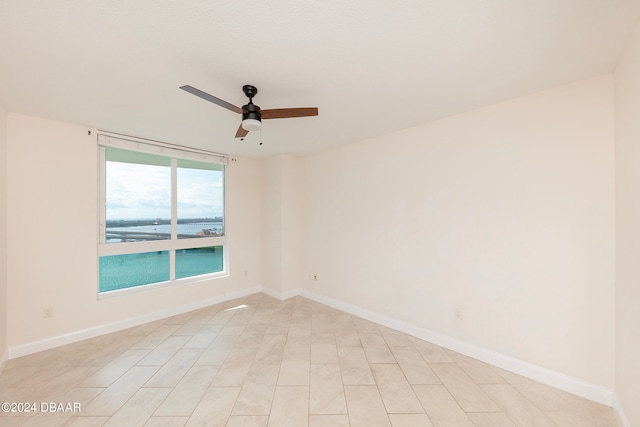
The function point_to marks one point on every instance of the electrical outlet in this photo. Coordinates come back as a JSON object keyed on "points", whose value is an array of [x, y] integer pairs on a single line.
{"points": [[314, 276], [459, 313], [47, 312]]}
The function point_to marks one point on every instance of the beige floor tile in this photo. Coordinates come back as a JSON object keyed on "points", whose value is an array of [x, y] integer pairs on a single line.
{"points": [[179, 319], [218, 351], [431, 352], [516, 406], [257, 392], [290, 407], [175, 368], [187, 394], [79, 396], [466, 392], [71, 378], [365, 326], [271, 349], [204, 337], [329, 421], [215, 407], [277, 328], [295, 366], [365, 406], [300, 328], [298, 340], [491, 419], [139, 408], [250, 338], [397, 394], [194, 325], [105, 376], [326, 391], [247, 421], [261, 316], [410, 420], [441, 407], [545, 397], [233, 329], [235, 368], [113, 397], [166, 422], [601, 415], [8, 394], [164, 351], [394, 338], [346, 334], [414, 367], [221, 317], [321, 324], [156, 337], [144, 329], [480, 372], [323, 348], [376, 348], [103, 356], [354, 366], [41, 377], [14, 374], [86, 421], [570, 419]]}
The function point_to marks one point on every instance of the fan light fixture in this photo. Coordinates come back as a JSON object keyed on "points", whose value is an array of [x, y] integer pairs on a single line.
{"points": [[251, 125]]}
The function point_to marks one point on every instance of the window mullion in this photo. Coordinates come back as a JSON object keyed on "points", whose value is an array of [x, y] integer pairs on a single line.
{"points": [[102, 188], [174, 217]]}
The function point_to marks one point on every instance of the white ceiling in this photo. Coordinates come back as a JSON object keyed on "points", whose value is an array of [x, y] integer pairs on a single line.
{"points": [[370, 66]]}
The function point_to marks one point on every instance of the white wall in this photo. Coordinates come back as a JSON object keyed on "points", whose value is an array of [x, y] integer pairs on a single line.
{"points": [[506, 212], [271, 243], [52, 258], [292, 216], [282, 201], [3, 238], [627, 126]]}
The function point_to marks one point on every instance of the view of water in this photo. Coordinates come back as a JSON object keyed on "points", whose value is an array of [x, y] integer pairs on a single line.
{"points": [[130, 270]]}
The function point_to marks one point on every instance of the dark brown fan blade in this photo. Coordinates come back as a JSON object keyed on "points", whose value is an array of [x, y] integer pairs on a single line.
{"points": [[241, 132], [285, 113], [197, 92]]}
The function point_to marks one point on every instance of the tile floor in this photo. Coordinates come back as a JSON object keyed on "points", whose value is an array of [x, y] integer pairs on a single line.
{"points": [[257, 361]]}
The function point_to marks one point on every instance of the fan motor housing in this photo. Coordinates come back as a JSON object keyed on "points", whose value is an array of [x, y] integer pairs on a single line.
{"points": [[251, 111]]}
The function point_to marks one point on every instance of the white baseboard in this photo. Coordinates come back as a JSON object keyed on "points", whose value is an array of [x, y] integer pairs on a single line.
{"points": [[60, 340], [619, 412], [555, 379]]}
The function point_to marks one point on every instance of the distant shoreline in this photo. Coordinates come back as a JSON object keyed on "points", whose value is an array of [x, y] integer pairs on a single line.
{"points": [[158, 221]]}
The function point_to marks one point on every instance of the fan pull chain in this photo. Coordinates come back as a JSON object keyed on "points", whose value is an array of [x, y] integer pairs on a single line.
{"points": [[260, 135]]}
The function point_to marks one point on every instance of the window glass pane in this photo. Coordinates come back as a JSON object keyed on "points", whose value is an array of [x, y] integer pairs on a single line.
{"points": [[200, 206], [138, 196], [125, 271], [194, 262]]}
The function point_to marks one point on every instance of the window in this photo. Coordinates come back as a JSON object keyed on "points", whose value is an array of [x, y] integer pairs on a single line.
{"points": [[162, 215]]}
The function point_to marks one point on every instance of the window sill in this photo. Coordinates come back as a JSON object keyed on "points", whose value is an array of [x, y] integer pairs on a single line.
{"points": [[159, 285]]}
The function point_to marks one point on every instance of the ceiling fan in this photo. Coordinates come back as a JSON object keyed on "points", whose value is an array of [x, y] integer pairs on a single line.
{"points": [[252, 115]]}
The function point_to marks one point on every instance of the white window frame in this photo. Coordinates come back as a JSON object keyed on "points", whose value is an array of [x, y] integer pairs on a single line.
{"points": [[173, 152]]}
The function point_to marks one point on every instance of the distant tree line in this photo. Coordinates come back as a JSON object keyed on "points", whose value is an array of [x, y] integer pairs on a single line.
{"points": [[159, 221]]}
